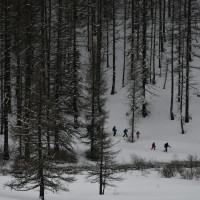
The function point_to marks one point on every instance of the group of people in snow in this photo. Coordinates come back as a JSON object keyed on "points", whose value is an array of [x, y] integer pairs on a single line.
{"points": [[125, 132], [166, 145]]}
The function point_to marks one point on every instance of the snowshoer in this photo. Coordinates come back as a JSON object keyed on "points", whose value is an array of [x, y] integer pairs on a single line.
{"points": [[114, 131], [125, 132], [138, 134], [166, 146], [153, 146]]}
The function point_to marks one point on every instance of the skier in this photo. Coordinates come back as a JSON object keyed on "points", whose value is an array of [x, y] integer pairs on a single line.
{"points": [[166, 146], [153, 146], [125, 132], [138, 134], [114, 131]]}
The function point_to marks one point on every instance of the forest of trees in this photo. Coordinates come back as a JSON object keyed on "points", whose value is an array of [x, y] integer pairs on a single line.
{"points": [[53, 60]]}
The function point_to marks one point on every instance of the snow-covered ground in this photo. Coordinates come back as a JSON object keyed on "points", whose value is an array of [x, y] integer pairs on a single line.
{"points": [[157, 127], [136, 185]]}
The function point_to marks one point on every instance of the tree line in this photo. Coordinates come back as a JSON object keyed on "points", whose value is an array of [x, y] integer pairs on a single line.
{"points": [[54, 57]]}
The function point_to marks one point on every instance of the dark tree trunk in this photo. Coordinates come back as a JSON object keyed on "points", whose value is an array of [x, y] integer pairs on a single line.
{"points": [[169, 8], [58, 78], [132, 35], [28, 71], [99, 46], [187, 62], [88, 25], [7, 96], [172, 65], [124, 64], [19, 81], [114, 67], [164, 13], [137, 20], [181, 92], [75, 67], [48, 38], [101, 191], [144, 73], [2, 96], [92, 137], [107, 42], [154, 45]]}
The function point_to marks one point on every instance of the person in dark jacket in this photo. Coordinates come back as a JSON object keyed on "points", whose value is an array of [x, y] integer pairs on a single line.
{"points": [[125, 132], [166, 145], [114, 131], [138, 134], [153, 146]]}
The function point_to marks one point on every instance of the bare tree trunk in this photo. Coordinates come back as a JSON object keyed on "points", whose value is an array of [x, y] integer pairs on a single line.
{"points": [[161, 48], [164, 13], [166, 73], [181, 92], [138, 28], [187, 62], [7, 63], [154, 45], [88, 25], [2, 97], [48, 38], [151, 50], [132, 35], [57, 78], [172, 65], [19, 82], [101, 191], [124, 64], [114, 67], [169, 8], [75, 67], [144, 72], [107, 42]]}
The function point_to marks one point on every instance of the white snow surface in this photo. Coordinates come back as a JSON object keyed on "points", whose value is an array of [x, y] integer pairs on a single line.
{"points": [[136, 185]]}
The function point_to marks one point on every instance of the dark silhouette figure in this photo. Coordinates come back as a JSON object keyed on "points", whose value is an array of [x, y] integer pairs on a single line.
{"points": [[166, 146], [114, 131], [153, 146], [125, 132], [89, 128]]}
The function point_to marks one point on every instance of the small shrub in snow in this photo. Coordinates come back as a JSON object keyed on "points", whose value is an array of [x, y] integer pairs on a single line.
{"points": [[197, 173], [168, 171], [186, 174], [138, 162], [172, 169], [192, 169]]}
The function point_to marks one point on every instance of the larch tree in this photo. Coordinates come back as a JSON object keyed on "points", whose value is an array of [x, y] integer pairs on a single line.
{"points": [[105, 172]]}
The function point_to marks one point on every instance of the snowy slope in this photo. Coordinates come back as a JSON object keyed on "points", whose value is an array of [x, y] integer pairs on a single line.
{"points": [[157, 127]]}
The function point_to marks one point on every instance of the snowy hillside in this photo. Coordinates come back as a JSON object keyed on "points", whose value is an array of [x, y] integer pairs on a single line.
{"points": [[157, 127]]}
